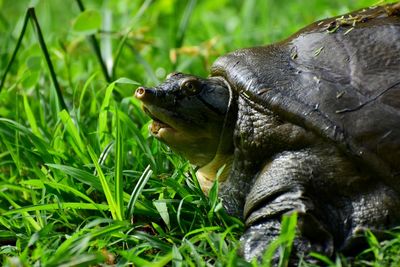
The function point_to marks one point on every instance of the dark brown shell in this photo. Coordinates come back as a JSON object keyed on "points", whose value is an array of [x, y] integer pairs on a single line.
{"points": [[339, 77]]}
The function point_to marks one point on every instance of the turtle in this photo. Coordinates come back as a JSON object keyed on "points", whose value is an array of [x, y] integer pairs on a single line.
{"points": [[308, 125]]}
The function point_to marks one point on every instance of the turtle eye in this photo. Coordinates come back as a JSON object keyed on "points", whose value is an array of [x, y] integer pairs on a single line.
{"points": [[190, 86]]}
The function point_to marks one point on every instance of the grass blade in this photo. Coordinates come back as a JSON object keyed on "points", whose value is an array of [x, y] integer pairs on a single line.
{"points": [[284, 241], [31, 117], [84, 89], [23, 211], [56, 206], [140, 140], [106, 188], [77, 144], [30, 141], [119, 160], [32, 14], [79, 240], [162, 209], [103, 115], [180, 35], [80, 175], [326, 260], [288, 233], [138, 189]]}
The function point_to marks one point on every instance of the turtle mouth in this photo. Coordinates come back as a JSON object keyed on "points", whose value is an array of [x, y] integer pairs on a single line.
{"points": [[157, 126]]}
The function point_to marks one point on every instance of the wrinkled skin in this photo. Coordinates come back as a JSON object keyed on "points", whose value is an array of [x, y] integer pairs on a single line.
{"points": [[299, 128]]}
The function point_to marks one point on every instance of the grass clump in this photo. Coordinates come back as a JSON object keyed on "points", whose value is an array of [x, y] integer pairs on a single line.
{"points": [[82, 183]]}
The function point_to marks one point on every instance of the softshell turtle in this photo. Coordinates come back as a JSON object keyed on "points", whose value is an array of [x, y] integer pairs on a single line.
{"points": [[310, 124]]}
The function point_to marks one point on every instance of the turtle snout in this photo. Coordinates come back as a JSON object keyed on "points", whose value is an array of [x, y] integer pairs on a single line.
{"points": [[145, 94], [140, 92]]}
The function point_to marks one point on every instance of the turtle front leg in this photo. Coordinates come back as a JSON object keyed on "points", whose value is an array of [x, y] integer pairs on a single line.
{"points": [[260, 235], [258, 135], [234, 190], [284, 186]]}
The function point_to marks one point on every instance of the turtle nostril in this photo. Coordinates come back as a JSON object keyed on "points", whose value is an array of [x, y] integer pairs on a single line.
{"points": [[146, 94], [140, 92]]}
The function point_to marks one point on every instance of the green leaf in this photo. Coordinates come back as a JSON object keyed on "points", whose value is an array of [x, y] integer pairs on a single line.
{"points": [[177, 259], [80, 175], [55, 206], [70, 189], [162, 209], [32, 143], [284, 242], [213, 199], [30, 79], [80, 240], [138, 189], [106, 187], [124, 80], [84, 89], [34, 63], [140, 140], [77, 143], [288, 233], [88, 22], [31, 117], [7, 234], [18, 208], [119, 161], [103, 114], [323, 259]]}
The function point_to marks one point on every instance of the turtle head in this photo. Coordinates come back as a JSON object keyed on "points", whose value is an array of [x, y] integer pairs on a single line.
{"points": [[189, 114]]}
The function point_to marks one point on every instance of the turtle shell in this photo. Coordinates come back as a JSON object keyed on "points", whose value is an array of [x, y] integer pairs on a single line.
{"points": [[339, 78]]}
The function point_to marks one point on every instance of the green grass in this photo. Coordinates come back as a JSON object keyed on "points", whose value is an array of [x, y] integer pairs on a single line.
{"points": [[87, 185]]}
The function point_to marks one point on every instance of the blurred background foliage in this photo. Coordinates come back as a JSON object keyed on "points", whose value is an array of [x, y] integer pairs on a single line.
{"points": [[161, 35]]}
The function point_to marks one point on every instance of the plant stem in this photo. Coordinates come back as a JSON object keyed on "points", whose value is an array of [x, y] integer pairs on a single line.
{"points": [[96, 47], [31, 13]]}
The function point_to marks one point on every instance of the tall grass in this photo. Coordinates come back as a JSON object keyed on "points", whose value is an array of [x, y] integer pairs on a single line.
{"points": [[82, 182]]}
